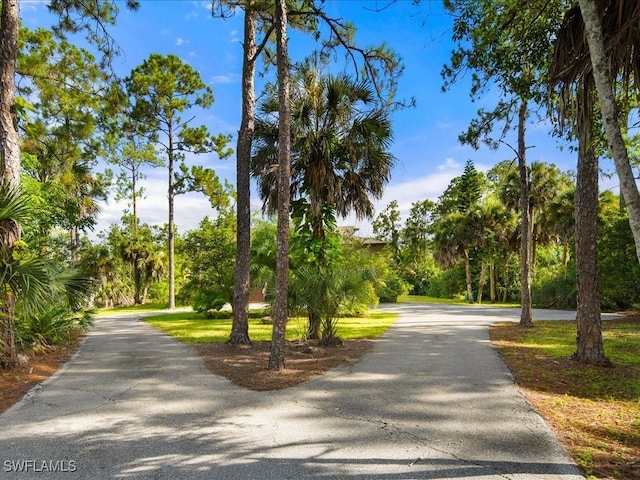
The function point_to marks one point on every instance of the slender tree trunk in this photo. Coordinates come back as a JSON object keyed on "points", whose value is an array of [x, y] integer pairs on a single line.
{"points": [[171, 233], [9, 357], [467, 275], [241, 289], [134, 202], [610, 118], [9, 139], [505, 293], [137, 283], [532, 238], [280, 311], [313, 328], [589, 339], [492, 280], [9, 167], [526, 316], [482, 281], [315, 322]]}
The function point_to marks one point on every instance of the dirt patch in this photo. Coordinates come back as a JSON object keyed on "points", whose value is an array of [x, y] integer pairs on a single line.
{"points": [[14, 383], [246, 365]]}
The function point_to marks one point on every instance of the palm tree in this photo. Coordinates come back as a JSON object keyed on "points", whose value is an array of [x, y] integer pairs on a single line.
{"points": [[499, 223], [559, 221], [454, 235], [339, 150]]}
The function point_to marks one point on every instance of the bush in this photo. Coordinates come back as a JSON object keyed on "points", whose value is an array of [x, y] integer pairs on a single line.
{"points": [[55, 325], [206, 300], [618, 265], [390, 289], [555, 287], [448, 283]]}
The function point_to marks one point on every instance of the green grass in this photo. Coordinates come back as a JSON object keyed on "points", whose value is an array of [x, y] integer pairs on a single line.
{"points": [[450, 301], [147, 307], [191, 328], [557, 338]]}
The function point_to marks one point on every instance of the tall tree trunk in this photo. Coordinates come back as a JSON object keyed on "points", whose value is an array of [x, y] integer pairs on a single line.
{"points": [[134, 202], [467, 275], [315, 322], [526, 315], [482, 281], [9, 167], [589, 339], [137, 282], [492, 280], [532, 238], [280, 310], [610, 118], [241, 285], [505, 274], [171, 233]]}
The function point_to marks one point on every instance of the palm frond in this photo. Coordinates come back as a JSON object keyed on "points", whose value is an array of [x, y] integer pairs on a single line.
{"points": [[14, 206], [29, 280]]}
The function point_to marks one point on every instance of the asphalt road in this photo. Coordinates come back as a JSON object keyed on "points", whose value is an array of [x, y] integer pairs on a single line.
{"points": [[431, 401]]}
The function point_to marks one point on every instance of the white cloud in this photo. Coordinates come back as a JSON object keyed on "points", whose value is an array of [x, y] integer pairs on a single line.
{"points": [[153, 209], [450, 164], [225, 79], [429, 186], [181, 41]]}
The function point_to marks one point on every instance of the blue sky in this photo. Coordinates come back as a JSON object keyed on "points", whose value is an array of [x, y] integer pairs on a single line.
{"points": [[426, 137]]}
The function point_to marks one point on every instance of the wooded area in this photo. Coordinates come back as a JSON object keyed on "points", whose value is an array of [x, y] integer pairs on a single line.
{"points": [[318, 144]]}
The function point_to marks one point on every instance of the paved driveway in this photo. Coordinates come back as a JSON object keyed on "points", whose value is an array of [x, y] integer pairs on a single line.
{"points": [[432, 400]]}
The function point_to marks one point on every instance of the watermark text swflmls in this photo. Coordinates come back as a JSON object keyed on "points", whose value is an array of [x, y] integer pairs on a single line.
{"points": [[38, 466]]}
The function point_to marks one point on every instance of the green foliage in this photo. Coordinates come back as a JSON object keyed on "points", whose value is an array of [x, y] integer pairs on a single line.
{"points": [[209, 260], [57, 324], [618, 267], [340, 144], [263, 252], [162, 88], [76, 16], [393, 287], [447, 283], [555, 287], [72, 99], [128, 266], [419, 273], [316, 240], [387, 226]]}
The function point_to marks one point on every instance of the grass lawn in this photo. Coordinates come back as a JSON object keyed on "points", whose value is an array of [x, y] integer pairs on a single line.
{"points": [[594, 410], [449, 301], [147, 307], [192, 328]]}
